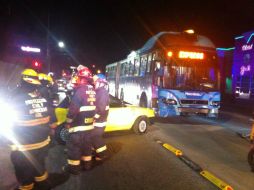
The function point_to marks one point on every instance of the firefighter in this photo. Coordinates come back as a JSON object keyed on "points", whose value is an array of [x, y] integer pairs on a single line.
{"points": [[251, 151], [48, 89], [31, 132], [100, 118], [80, 124]]}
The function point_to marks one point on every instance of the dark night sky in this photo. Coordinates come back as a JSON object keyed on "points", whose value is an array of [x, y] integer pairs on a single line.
{"points": [[104, 31]]}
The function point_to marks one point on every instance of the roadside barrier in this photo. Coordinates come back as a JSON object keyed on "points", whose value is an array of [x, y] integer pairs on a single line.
{"points": [[204, 173]]}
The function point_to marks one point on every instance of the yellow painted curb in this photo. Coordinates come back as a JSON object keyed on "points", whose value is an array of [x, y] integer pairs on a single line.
{"points": [[173, 149], [216, 181]]}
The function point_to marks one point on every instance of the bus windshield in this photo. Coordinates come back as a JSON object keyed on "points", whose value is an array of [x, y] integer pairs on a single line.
{"points": [[190, 78]]}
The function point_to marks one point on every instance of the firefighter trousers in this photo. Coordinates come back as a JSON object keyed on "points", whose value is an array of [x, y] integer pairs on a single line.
{"points": [[79, 148], [30, 167], [99, 143]]}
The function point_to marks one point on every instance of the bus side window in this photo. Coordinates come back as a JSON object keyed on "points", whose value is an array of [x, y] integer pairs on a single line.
{"points": [[112, 71], [131, 68], [137, 65], [143, 66], [127, 69], [122, 69], [149, 61]]}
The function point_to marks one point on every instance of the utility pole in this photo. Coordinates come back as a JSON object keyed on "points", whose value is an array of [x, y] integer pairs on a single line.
{"points": [[48, 56]]}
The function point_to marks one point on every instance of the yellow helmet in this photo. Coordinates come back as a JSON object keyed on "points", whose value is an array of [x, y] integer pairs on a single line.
{"points": [[42, 76], [30, 76], [50, 79], [45, 77]]}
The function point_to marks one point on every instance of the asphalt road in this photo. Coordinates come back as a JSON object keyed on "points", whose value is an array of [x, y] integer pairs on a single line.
{"points": [[138, 162]]}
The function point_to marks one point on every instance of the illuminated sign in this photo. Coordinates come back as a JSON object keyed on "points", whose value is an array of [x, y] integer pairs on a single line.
{"points": [[30, 49], [193, 94], [190, 55], [243, 69], [247, 47]]}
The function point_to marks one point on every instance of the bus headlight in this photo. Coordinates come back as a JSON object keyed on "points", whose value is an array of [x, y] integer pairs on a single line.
{"points": [[169, 101], [215, 103]]}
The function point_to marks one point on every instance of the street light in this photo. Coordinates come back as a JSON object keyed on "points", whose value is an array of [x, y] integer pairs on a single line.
{"points": [[61, 44], [49, 48]]}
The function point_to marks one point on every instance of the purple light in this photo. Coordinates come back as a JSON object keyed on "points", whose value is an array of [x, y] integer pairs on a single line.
{"points": [[30, 49], [243, 69]]}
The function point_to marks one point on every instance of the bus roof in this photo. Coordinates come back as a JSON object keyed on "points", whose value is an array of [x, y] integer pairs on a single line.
{"points": [[167, 39]]}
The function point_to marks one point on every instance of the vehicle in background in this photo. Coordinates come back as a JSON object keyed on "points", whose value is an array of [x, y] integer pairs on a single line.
{"points": [[175, 73], [122, 116]]}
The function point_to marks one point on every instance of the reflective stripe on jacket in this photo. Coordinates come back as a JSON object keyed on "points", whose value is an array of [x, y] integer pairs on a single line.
{"points": [[82, 109], [102, 107], [33, 117], [19, 147]]}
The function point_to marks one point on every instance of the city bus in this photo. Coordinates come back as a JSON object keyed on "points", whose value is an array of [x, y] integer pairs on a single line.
{"points": [[175, 73]]}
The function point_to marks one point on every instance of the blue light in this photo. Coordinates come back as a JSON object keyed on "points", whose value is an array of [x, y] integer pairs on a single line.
{"points": [[239, 37], [250, 38], [226, 49]]}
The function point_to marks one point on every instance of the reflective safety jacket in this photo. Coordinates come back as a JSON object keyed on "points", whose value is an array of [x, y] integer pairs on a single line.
{"points": [[31, 128], [252, 133], [102, 106], [82, 109]]}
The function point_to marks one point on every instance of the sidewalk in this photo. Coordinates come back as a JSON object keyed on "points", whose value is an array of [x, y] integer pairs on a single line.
{"points": [[240, 107]]}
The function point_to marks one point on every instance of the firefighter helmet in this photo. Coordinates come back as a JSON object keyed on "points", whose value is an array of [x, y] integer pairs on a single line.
{"points": [[101, 76], [30, 76], [84, 72], [44, 78], [100, 81]]}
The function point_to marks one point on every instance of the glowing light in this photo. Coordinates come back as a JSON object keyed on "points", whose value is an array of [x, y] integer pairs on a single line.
{"points": [[247, 47], [239, 37], [250, 38], [190, 31], [7, 116], [190, 55], [98, 71], [36, 64], [225, 49], [243, 69], [170, 54], [133, 54], [61, 44], [30, 49]]}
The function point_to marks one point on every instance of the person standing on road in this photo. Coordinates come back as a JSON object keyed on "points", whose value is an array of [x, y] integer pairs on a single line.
{"points": [[100, 118], [31, 134], [251, 151], [80, 124]]}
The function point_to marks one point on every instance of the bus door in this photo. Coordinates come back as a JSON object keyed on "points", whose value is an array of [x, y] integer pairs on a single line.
{"points": [[158, 72]]}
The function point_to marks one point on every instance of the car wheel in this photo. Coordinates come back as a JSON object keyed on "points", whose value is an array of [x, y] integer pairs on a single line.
{"points": [[140, 126], [62, 134]]}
